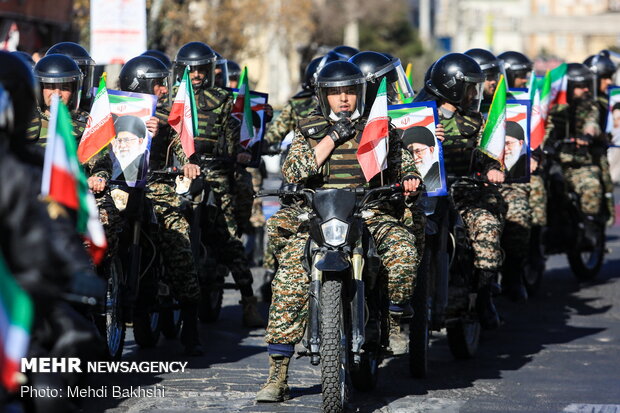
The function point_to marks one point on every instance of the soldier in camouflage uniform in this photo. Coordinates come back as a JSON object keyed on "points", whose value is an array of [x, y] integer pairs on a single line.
{"points": [[218, 137], [455, 82], [59, 74], [572, 128], [146, 74], [604, 69], [323, 155]]}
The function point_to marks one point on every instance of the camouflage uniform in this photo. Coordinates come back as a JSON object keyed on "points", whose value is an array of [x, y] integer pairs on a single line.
{"points": [[516, 235], [599, 154], [483, 210], [538, 200], [218, 136], [395, 244], [569, 121], [99, 166], [298, 107]]}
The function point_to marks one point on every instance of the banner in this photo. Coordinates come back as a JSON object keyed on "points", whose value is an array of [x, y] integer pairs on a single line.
{"points": [[117, 30], [613, 115], [417, 122], [132, 144], [517, 150]]}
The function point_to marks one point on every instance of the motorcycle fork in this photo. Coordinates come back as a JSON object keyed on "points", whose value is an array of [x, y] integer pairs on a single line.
{"points": [[358, 307], [314, 335]]}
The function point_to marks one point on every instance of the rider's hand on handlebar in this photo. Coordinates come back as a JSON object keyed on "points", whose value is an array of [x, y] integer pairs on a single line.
{"points": [[152, 125], [495, 176], [533, 165], [581, 142], [439, 132], [410, 185], [191, 171], [96, 184]]}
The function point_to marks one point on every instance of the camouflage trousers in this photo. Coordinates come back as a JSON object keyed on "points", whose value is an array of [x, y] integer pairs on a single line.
{"points": [[608, 187], [110, 219], [483, 212], [289, 307], [174, 241], [516, 235], [249, 211], [586, 182], [415, 220], [221, 182], [538, 201]]}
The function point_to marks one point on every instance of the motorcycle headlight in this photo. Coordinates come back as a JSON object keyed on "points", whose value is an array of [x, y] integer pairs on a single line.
{"points": [[335, 232]]}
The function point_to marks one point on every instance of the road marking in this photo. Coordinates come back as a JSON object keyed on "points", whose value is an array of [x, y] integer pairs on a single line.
{"points": [[592, 408]]}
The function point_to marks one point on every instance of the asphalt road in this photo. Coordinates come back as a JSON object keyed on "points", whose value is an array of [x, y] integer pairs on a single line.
{"points": [[560, 352]]}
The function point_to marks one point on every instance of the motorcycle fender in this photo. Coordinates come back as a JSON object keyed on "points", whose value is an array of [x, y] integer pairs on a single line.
{"points": [[335, 261]]}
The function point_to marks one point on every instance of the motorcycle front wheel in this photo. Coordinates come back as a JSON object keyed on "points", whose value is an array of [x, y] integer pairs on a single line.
{"points": [[111, 323], [334, 347]]}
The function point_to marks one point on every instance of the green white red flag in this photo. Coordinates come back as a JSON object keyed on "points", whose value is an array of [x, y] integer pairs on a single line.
{"points": [[373, 147], [99, 130], [551, 91], [243, 106], [16, 313], [494, 134], [64, 180], [183, 116]]}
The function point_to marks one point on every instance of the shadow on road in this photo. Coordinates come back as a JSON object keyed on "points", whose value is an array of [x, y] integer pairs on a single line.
{"points": [[528, 329]]}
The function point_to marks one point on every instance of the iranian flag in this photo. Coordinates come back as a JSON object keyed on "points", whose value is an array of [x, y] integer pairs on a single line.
{"points": [[551, 91], [16, 313], [183, 116], [65, 182], [99, 130], [494, 134], [243, 106], [373, 147]]}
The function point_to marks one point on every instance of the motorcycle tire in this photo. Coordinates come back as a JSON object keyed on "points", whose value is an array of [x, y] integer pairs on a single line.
{"points": [[334, 348], [210, 304], [170, 322], [463, 338], [146, 327], [111, 323], [535, 267], [586, 264]]}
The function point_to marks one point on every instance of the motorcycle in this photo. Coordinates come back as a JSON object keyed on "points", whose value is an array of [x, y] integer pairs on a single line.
{"points": [[445, 294], [347, 331], [569, 231]]}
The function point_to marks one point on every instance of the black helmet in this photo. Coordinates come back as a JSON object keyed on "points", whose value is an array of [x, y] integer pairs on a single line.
{"points": [[196, 54], [375, 66], [346, 51], [25, 56], [315, 66], [515, 65], [16, 78], [221, 71], [336, 77], [489, 64], [55, 70], [142, 73], [453, 77], [84, 62], [159, 55], [601, 65], [234, 71], [579, 75]]}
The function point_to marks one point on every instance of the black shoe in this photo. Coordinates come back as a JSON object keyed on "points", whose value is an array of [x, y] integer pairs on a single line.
{"points": [[487, 313], [190, 337]]}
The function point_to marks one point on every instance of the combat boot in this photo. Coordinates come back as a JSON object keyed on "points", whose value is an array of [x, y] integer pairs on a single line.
{"points": [[487, 313], [251, 317], [276, 389], [611, 209], [189, 332], [398, 340]]}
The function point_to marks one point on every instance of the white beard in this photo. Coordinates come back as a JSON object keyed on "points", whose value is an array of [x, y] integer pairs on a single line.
{"points": [[511, 159], [427, 162]]}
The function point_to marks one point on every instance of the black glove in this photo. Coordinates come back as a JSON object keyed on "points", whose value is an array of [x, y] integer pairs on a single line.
{"points": [[341, 131]]}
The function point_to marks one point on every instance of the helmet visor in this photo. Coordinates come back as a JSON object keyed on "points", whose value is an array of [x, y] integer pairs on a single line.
{"points": [[472, 98], [88, 82], [338, 101], [202, 75], [221, 73], [69, 91], [404, 88]]}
